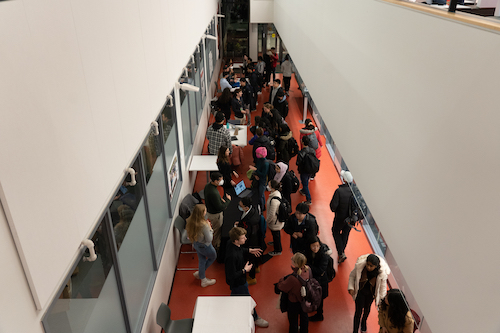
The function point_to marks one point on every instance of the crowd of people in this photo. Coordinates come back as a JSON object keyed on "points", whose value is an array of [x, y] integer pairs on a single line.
{"points": [[273, 149]]}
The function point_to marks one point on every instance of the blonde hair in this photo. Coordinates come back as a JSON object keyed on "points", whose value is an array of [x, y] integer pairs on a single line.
{"points": [[196, 222], [300, 261]]}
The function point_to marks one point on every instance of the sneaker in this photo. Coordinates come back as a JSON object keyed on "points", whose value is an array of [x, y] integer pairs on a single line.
{"points": [[251, 281], [316, 317], [196, 275], [312, 178], [342, 258], [261, 323], [207, 282], [270, 243], [309, 203], [301, 192], [257, 270], [274, 253]]}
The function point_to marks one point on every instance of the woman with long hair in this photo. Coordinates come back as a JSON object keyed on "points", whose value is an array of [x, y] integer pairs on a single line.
{"points": [[317, 258], [367, 282], [224, 102], [225, 167], [291, 285], [200, 233], [394, 315], [272, 216]]}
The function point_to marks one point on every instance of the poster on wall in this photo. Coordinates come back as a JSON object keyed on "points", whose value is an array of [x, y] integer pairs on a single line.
{"points": [[210, 62], [202, 84], [173, 175]]}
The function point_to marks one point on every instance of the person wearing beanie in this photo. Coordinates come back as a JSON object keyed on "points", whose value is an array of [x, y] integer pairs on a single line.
{"points": [[218, 135], [261, 169], [340, 206]]}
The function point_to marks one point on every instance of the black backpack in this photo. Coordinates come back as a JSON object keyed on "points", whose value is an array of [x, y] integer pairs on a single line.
{"points": [[313, 291], [292, 147], [309, 164], [284, 210], [295, 181], [330, 271], [272, 171], [355, 214]]}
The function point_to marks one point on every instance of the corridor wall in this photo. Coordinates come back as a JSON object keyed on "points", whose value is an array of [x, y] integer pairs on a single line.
{"points": [[81, 83], [411, 107]]}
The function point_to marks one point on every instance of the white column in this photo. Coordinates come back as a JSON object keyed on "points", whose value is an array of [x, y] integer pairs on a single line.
{"points": [[253, 39]]}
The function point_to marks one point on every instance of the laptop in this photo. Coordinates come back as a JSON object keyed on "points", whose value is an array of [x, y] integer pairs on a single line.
{"points": [[241, 190]]}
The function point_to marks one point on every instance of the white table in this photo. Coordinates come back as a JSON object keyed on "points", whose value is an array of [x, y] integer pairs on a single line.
{"points": [[242, 134], [223, 314], [204, 163]]}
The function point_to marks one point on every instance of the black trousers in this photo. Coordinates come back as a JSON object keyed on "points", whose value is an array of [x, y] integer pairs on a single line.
{"points": [[341, 236], [286, 81], [363, 305], [295, 313], [276, 240]]}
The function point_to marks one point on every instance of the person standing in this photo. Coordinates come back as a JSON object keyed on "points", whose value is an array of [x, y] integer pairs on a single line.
{"points": [[273, 56], [304, 168], [301, 226], [274, 92], [218, 135], [261, 169], [237, 267], [224, 102], [285, 179], [224, 166], [367, 282], [394, 315], [282, 150], [201, 234], [216, 205], [281, 104], [340, 206], [317, 258], [238, 108], [291, 285], [273, 204], [286, 68]]}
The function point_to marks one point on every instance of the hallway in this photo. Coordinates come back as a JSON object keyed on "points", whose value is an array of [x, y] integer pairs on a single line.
{"points": [[339, 306]]}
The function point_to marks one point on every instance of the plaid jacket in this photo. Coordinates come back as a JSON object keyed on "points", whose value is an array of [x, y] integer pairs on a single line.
{"points": [[218, 138]]}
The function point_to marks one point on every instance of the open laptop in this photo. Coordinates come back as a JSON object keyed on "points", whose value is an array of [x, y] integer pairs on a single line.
{"points": [[241, 190]]}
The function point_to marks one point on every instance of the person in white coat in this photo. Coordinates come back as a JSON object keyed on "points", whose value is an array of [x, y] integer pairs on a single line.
{"points": [[272, 216], [367, 282]]}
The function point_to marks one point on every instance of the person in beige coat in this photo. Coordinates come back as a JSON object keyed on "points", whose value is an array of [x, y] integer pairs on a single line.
{"points": [[272, 216], [394, 315], [367, 282]]}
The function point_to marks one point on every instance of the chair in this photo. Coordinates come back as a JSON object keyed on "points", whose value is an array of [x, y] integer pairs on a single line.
{"points": [[180, 224], [172, 326]]}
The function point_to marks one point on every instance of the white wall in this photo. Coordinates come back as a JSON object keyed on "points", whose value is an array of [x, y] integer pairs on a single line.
{"points": [[81, 83], [398, 91], [261, 11]]}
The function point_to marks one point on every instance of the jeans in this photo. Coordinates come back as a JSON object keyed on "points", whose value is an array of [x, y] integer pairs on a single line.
{"points": [[295, 312], [276, 240], [206, 257], [341, 236], [262, 195], [363, 304], [304, 179], [243, 291]]}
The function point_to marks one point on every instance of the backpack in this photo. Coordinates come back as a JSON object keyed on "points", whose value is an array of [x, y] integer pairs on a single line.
{"points": [[271, 173], [284, 210], [330, 271], [309, 164], [354, 213], [295, 181], [271, 151], [312, 294], [292, 147], [313, 140]]}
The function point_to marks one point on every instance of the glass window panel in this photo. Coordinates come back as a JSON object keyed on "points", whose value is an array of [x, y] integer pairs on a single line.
{"points": [[90, 300], [202, 73], [134, 247], [186, 123], [156, 191], [171, 153]]}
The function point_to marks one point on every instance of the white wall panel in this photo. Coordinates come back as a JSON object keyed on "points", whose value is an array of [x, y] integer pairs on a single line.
{"points": [[261, 11], [398, 92]]}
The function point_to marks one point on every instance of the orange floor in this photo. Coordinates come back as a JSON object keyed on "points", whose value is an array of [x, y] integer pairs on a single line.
{"points": [[339, 306]]}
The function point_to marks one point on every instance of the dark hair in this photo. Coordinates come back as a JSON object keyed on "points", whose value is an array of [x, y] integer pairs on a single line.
{"points": [[284, 128], [277, 81], [302, 208], [260, 58], [280, 93], [287, 57], [313, 239], [226, 96], [246, 201], [222, 155], [259, 131], [374, 260], [305, 141], [236, 91], [275, 184], [397, 308], [215, 176], [307, 121]]}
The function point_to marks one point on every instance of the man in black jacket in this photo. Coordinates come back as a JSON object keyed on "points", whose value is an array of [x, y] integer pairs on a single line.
{"points": [[236, 267], [340, 206], [281, 104], [301, 226]]}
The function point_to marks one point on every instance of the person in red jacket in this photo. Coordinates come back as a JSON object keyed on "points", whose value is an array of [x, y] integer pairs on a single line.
{"points": [[291, 285]]}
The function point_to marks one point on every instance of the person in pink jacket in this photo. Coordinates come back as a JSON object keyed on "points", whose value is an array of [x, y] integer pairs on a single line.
{"points": [[309, 129]]}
